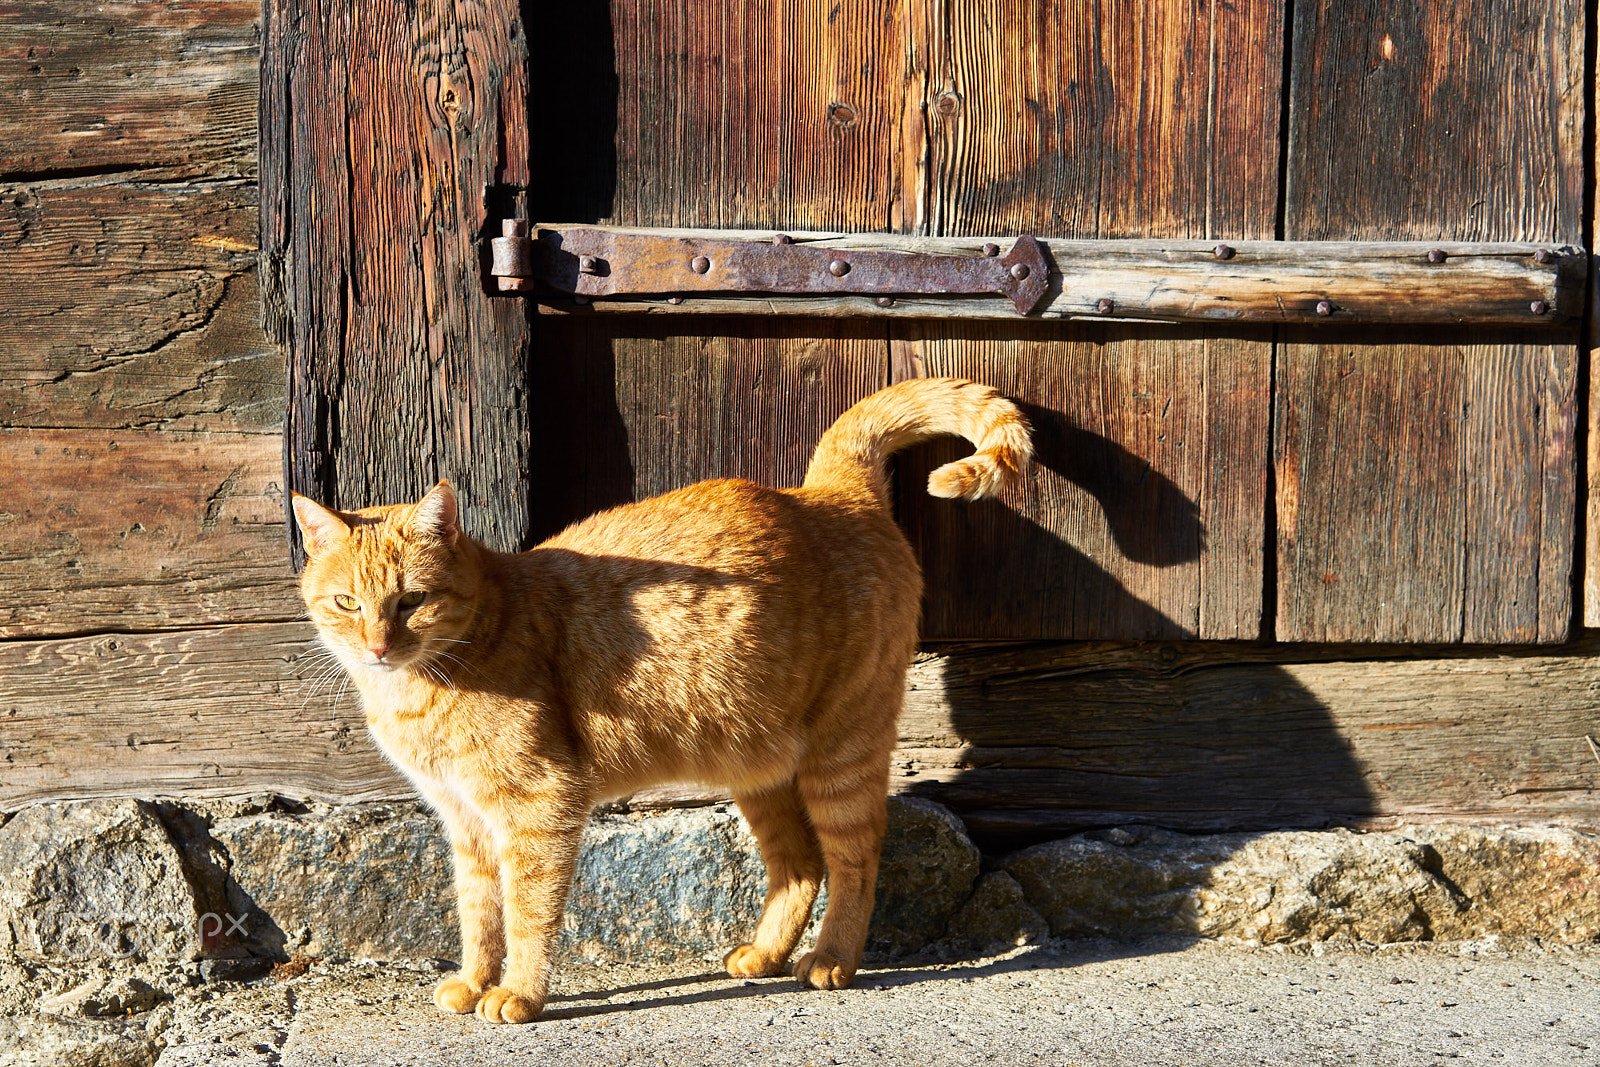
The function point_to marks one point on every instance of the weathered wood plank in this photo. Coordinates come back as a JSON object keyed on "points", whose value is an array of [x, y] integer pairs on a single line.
{"points": [[1022, 740], [388, 131], [735, 114], [1459, 121], [134, 304], [1142, 516], [140, 530], [1425, 491], [1089, 122], [1085, 119], [124, 85], [1435, 121], [632, 408], [1378, 283]]}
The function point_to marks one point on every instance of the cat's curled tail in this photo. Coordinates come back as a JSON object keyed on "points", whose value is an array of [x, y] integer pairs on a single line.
{"points": [[850, 458]]}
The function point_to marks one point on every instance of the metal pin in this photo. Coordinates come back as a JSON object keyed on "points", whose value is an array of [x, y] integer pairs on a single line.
{"points": [[699, 264], [674, 299], [1223, 251], [838, 268], [589, 264], [1324, 307], [1539, 307], [885, 301], [1019, 271], [991, 249], [1105, 305], [1437, 255]]}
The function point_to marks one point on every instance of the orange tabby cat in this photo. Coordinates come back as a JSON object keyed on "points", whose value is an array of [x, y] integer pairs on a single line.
{"points": [[724, 633]]}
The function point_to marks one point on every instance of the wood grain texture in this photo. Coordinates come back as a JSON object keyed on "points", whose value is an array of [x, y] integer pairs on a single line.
{"points": [[1431, 481], [222, 711], [1425, 491], [1051, 738], [139, 530], [734, 114], [1454, 121], [1023, 741], [1092, 119], [384, 130], [167, 84], [1142, 515], [633, 408], [129, 303]]}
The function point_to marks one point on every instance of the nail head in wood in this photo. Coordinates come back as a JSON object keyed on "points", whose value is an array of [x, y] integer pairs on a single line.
{"points": [[1324, 307], [1539, 307], [991, 249], [1105, 305], [1437, 255], [674, 299], [886, 301], [1223, 251], [782, 239], [1544, 257]]}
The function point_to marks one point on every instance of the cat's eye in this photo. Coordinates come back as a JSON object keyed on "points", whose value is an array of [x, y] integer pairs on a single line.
{"points": [[346, 602], [412, 600]]}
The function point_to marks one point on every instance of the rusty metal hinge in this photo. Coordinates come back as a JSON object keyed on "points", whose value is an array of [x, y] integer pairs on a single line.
{"points": [[595, 263]]}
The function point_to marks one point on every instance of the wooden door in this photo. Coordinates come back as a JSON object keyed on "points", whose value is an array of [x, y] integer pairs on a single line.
{"points": [[1303, 484]]}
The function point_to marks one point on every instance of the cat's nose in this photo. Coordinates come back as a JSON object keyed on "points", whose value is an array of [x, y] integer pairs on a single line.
{"points": [[378, 651]]}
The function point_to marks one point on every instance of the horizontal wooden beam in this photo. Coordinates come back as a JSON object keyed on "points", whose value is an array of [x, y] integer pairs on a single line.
{"points": [[1218, 283], [1021, 740]]}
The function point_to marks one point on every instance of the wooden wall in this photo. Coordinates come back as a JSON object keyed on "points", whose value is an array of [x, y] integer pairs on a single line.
{"points": [[149, 633]]}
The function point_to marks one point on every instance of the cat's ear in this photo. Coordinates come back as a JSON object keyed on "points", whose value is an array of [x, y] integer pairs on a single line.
{"points": [[321, 528], [435, 516]]}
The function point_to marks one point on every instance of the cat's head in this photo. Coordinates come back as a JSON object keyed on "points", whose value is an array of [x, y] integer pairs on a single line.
{"points": [[389, 588]]}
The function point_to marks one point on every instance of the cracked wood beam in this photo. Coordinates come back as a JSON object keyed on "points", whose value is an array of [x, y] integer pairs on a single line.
{"points": [[130, 303], [140, 530]]}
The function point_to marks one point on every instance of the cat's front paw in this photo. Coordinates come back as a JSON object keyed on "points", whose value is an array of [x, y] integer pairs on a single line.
{"points": [[502, 1005], [746, 962], [821, 971], [457, 994]]}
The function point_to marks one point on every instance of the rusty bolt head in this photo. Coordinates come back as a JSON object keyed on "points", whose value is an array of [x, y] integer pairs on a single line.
{"points": [[1223, 251], [838, 268], [991, 249], [1539, 307], [782, 239], [1437, 255], [1019, 271], [1544, 256], [1105, 305], [699, 264], [885, 301], [588, 265], [1324, 307], [674, 299]]}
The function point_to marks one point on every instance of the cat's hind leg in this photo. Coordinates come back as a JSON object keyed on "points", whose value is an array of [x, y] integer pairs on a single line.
{"points": [[845, 795], [794, 874]]}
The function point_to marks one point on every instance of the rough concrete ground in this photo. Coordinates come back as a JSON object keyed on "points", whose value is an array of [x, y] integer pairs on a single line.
{"points": [[1086, 1003]]}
